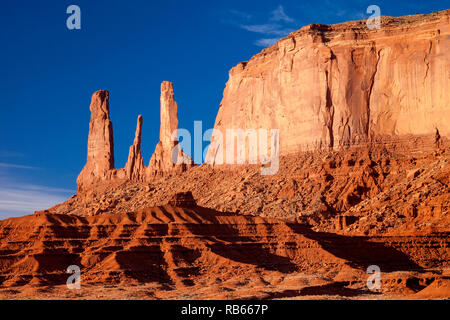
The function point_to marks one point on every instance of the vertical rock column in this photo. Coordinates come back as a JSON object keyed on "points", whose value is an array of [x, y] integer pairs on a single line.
{"points": [[100, 154], [135, 169], [168, 155], [169, 117]]}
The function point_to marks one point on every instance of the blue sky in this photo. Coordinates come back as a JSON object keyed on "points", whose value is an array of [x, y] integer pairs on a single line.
{"points": [[48, 74]]}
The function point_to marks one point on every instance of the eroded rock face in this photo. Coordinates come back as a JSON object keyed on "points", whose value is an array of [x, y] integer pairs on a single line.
{"points": [[100, 155], [334, 86], [168, 156]]}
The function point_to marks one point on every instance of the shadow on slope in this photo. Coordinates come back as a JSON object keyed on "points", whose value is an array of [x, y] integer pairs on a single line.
{"points": [[360, 251]]}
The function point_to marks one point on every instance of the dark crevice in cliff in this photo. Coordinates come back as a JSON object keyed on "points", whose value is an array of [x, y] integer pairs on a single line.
{"points": [[329, 112], [427, 62], [372, 82], [329, 108]]}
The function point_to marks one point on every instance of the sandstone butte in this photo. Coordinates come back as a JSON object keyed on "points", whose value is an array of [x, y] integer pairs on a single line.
{"points": [[364, 179], [332, 86]]}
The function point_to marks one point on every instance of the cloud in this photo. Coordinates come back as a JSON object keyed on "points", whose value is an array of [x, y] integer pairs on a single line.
{"points": [[358, 16], [34, 187], [279, 15], [17, 200], [16, 166], [335, 12], [270, 29], [341, 13], [266, 42], [240, 14], [279, 25], [10, 154]]}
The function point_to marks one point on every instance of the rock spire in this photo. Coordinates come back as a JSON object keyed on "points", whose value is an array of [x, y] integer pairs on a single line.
{"points": [[168, 155], [134, 169], [100, 154]]}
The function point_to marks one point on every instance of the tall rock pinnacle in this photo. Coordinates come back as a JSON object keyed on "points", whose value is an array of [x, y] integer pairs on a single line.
{"points": [[168, 155], [167, 158], [169, 118], [134, 168], [100, 154]]}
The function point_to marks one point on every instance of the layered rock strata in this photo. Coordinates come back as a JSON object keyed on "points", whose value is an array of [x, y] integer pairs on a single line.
{"points": [[194, 247]]}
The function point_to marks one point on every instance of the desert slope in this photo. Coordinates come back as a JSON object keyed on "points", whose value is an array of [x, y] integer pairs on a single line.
{"points": [[183, 250]]}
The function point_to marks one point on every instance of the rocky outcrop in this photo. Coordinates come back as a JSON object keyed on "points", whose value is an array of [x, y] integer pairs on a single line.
{"points": [[100, 154], [168, 156], [135, 169], [364, 192], [183, 200], [169, 115], [335, 86]]}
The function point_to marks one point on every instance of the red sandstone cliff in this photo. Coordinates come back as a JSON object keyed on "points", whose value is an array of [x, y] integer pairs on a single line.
{"points": [[340, 85]]}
